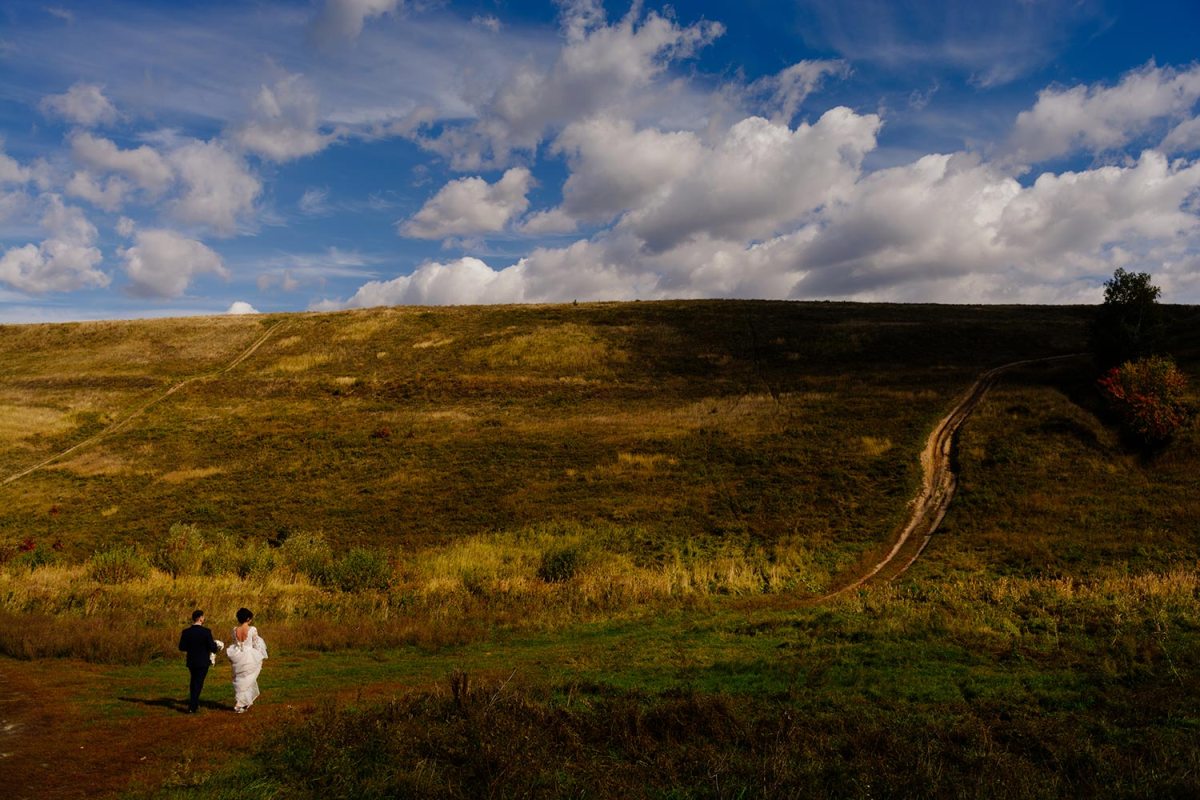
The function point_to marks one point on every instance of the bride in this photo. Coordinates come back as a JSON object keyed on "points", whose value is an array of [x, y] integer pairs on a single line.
{"points": [[246, 652]]}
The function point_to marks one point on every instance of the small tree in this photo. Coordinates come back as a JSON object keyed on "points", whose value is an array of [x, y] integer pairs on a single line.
{"points": [[1148, 395], [1128, 325]]}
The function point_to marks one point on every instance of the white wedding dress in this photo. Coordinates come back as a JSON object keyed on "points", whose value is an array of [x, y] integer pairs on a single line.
{"points": [[247, 658]]}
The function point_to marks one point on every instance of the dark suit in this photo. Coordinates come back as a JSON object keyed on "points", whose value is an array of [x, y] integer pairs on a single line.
{"points": [[197, 641]]}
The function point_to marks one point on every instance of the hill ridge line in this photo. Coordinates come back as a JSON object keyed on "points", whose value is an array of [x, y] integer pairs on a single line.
{"points": [[121, 424], [939, 480]]}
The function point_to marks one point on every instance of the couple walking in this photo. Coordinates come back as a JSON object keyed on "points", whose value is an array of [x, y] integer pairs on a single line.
{"points": [[246, 652]]}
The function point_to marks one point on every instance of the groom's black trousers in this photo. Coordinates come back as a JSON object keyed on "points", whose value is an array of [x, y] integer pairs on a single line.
{"points": [[199, 673]]}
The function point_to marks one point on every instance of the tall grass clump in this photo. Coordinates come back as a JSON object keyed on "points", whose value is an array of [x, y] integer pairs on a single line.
{"points": [[308, 553], [362, 569], [118, 564], [183, 552]]}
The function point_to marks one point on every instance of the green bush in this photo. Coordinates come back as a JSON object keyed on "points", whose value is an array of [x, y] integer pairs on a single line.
{"points": [[560, 564], [118, 564], [308, 554], [183, 551], [362, 569]]}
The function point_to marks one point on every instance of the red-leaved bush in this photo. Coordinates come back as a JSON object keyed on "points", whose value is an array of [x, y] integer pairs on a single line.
{"points": [[1148, 395]]}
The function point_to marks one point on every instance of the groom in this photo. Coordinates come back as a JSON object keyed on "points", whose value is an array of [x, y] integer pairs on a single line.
{"points": [[198, 642]]}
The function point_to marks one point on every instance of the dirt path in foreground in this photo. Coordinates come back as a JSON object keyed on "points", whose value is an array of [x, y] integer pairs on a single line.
{"points": [[938, 483], [124, 422]]}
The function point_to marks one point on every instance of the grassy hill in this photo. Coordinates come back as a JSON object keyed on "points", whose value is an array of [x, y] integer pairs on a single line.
{"points": [[609, 516]]}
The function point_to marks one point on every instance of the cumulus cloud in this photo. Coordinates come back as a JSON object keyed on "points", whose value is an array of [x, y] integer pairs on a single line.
{"points": [[143, 165], [161, 263], [601, 66], [785, 91], [217, 188], [470, 206], [947, 227], [758, 179], [65, 261], [1183, 138], [342, 20], [1099, 118], [107, 194], [463, 282], [284, 122], [11, 171], [83, 104], [239, 307]]}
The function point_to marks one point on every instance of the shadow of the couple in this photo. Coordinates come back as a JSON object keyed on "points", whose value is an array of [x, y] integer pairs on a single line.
{"points": [[173, 703]]}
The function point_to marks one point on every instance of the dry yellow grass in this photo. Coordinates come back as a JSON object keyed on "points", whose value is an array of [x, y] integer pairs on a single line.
{"points": [[561, 347], [301, 362], [876, 446], [185, 475], [94, 462], [436, 341], [19, 422]]}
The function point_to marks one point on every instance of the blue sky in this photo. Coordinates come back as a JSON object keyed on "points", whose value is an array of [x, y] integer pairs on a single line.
{"points": [[192, 157]]}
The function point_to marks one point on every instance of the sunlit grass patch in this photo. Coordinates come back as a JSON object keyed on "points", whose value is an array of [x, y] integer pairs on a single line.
{"points": [[433, 341], [186, 475], [94, 462], [876, 446], [19, 422], [301, 362], [567, 346]]}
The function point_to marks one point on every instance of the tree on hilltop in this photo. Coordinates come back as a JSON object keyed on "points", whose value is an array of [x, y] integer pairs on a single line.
{"points": [[1128, 325]]}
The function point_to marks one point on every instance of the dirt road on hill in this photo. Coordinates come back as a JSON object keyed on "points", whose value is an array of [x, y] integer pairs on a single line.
{"points": [[123, 423], [937, 486]]}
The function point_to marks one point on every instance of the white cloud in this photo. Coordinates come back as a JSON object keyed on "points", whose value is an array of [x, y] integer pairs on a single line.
{"points": [[488, 22], [65, 261], [239, 307], [615, 167], [11, 171], [787, 90], [548, 223], [109, 194], [83, 104], [342, 20], [1183, 138], [162, 263], [284, 123], [218, 190], [945, 227], [144, 165], [463, 282], [314, 202], [759, 179], [1100, 118], [471, 206], [600, 67]]}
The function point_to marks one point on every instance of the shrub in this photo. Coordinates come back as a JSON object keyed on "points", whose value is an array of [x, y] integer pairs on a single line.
{"points": [[362, 569], [118, 564], [308, 554], [183, 551], [1148, 396], [560, 564]]}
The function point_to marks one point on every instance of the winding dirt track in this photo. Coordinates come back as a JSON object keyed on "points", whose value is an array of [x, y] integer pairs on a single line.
{"points": [[124, 422], [937, 487]]}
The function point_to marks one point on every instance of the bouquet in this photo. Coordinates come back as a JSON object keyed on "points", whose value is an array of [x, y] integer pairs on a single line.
{"points": [[212, 657]]}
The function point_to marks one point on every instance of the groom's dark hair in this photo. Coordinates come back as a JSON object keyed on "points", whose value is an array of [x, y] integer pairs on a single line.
{"points": [[197, 614]]}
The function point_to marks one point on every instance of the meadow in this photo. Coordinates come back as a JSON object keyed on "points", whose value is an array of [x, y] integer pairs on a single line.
{"points": [[572, 551]]}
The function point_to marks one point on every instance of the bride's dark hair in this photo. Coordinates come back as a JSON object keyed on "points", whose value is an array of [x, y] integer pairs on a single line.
{"points": [[244, 615]]}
